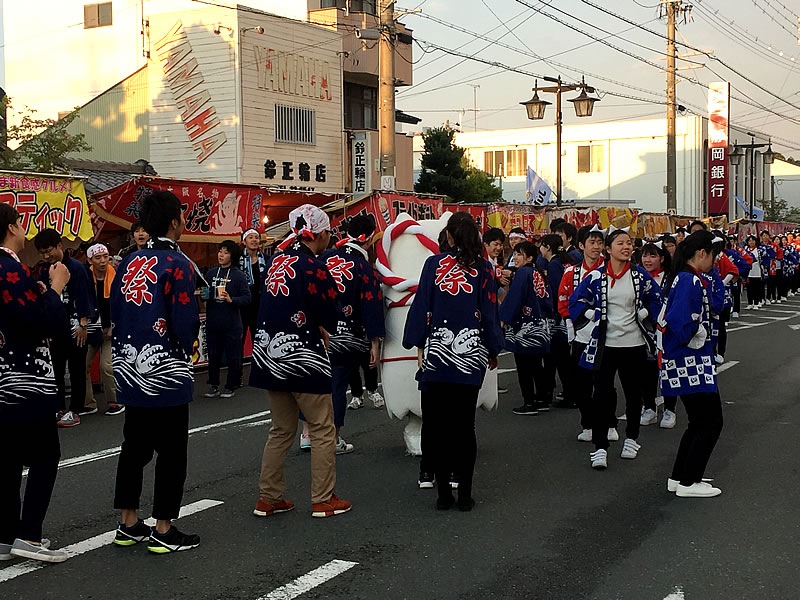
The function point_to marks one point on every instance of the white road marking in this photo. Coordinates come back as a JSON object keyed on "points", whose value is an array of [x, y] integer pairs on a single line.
{"points": [[727, 365], [502, 371], [310, 580], [677, 594], [110, 452], [747, 325], [93, 543], [794, 327]]}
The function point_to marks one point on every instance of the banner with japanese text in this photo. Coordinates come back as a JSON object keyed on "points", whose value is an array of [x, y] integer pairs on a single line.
{"points": [[48, 202], [386, 207], [650, 226], [508, 216], [718, 116]]}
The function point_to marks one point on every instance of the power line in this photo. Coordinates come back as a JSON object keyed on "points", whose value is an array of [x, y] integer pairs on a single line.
{"points": [[773, 19]]}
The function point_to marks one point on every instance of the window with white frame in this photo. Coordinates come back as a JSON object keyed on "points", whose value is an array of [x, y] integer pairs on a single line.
{"points": [[506, 163], [295, 125], [591, 159]]}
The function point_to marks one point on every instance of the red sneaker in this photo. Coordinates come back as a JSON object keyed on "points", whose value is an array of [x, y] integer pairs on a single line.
{"points": [[334, 506], [265, 509]]}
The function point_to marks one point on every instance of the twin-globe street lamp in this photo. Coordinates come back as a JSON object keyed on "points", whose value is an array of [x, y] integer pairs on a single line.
{"points": [[735, 156], [583, 103]]}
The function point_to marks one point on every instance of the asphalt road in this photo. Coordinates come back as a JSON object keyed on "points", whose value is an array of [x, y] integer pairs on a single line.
{"points": [[545, 526]]}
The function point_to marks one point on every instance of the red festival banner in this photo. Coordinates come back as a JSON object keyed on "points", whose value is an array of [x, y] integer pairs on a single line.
{"points": [[386, 207], [718, 117]]}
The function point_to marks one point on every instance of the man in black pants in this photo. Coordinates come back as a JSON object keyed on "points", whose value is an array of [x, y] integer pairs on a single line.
{"points": [[28, 434], [68, 343], [155, 324]]}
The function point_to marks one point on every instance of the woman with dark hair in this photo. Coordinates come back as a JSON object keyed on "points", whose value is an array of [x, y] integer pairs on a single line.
{"points": [[229, 292], [453, 323], [525, 316], [790, 262], [768, 267], [656, 261], [552, 248], [755, 279], [668, 243], [622, 301], [687, 363]]}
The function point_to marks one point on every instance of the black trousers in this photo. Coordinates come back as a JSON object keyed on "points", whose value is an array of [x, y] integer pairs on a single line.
{"points": [[784, 283], [228, 343], [66, 354], [449, 444], [370, 377], [558, 360], [755, 290], [736, 292], [534, 381], [165, 431], [651, 383], [630, 363], [772, 287], [36, 446], [581, 387], [704, 412]]}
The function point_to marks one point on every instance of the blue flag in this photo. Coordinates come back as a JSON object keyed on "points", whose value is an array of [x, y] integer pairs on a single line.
{"points": [[758, 213], [537, 192]]}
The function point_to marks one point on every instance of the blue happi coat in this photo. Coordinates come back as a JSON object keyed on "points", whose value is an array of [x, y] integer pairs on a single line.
{"points": [[790, 261], [526, 313], [591, 297], [78, 297], [454, 320], [684, 337], [154, 326], [298, 298], [360, 303], [27, 318], [555, 271]]}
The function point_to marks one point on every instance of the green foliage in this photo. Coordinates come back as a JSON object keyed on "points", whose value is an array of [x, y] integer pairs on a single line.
{"points": [[41, 145], [446, 171]]}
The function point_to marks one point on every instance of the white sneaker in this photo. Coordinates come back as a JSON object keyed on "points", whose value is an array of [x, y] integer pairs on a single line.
{"points": [[613, 436], [719, 359], [669, 420], [630, 449], [599, 459], [735, 315], [305, 441], [749, 307], [377, 399], [768, 302], [355, 403], [40, 552], [672, 484], [585, 435], [649, 417], [757, 306], [697, 490], [784, 299], [343, 447]]}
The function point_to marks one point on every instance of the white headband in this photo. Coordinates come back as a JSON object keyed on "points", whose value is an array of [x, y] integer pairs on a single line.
{"points": [[717, 239], [516, 235], [612, 229], [659, 244], [95, 250], [597, 229], [248, 232]]}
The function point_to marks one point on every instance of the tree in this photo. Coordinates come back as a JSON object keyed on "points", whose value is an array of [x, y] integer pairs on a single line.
{"points": [[446, 171], [41, 145]]}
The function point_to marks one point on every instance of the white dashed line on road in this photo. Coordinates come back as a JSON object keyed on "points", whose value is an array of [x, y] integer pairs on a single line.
{"points": [[725, 366], [93, 543], [677, 594], [310, 580]]}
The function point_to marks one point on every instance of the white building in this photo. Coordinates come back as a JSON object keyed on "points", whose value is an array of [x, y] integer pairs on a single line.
{"points": [[607, 163]]}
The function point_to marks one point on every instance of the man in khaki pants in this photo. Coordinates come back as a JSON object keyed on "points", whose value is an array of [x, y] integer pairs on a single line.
{"points": [[99, 337], [290, 359]]}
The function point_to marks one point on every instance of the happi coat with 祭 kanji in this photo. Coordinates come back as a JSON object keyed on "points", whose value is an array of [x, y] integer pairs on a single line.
{"points": [[684, 336], [298, 298], [454, 320], [154, 326], [360, 303], [588, 306], [526, 313], [27, 318]]}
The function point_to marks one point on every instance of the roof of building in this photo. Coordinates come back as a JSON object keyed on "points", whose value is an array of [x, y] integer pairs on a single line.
{"points": [[103, 175]]}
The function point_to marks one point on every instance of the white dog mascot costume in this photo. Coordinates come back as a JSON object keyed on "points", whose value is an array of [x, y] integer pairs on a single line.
{"points": [[402, 252]]}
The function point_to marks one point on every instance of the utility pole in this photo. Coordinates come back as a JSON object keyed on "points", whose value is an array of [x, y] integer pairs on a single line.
{"points": [[475, 89], [672, 202], [386, 92]]}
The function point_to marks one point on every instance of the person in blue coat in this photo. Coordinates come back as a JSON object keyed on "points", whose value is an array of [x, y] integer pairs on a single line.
{"points": [[687, 363], [228, 295], [622, 301], [454, 325], [154, 325], [360, 328], [525, 316], [28, 394]]}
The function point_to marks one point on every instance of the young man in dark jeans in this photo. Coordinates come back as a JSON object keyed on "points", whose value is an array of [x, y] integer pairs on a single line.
{"points": [[155, 323], [29, 314], [68, 342]]}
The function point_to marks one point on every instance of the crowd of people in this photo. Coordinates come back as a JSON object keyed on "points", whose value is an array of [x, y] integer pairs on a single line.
{"points": [[583, 306]]}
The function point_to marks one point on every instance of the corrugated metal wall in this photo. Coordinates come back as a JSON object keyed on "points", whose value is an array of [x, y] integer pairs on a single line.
{"points": [[116, 123]]}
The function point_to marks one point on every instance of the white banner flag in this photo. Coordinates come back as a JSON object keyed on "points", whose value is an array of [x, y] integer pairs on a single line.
{"points": [[537, 192]]}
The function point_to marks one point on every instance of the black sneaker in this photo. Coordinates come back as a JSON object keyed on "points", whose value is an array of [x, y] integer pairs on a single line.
{"points": [[542, 406], [445, 503], [465, 504], [128, 536], [526, 409], [425, 480], [115, 409], [172, 541]]}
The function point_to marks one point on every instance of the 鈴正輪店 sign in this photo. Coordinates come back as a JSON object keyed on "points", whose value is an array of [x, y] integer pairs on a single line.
{"points": [[48, 202]]}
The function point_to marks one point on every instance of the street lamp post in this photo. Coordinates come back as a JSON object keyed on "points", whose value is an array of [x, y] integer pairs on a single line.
{"points": [[583, 103], [749, 150]]}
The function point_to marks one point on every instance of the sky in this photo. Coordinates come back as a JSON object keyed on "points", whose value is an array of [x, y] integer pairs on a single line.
{"points": [[2, 51], [757, 38]]}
